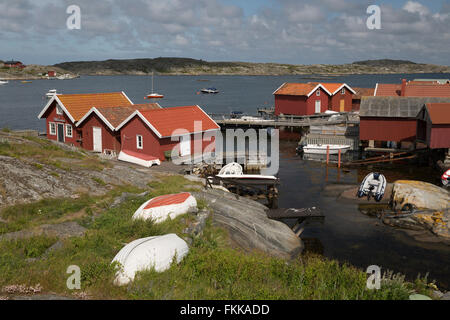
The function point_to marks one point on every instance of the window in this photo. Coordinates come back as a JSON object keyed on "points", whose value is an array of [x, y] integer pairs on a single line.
{"points": [[52, 128], [343, 91], [59, 110], [69, 131], [139, 142], [318, 93]]}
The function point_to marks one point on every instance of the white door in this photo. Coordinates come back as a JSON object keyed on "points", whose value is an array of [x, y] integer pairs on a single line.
{"points": [[97, 138], [318, 106], [185, 146]]}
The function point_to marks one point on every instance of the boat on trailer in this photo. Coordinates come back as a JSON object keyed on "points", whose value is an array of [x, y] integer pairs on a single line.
{"points": [[322, 148], [374, 184]]}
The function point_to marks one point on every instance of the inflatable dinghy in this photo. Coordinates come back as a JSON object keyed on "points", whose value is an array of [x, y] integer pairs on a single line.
{"points": [[147, 253], [171, 205], [446, 178], [374, 184]]}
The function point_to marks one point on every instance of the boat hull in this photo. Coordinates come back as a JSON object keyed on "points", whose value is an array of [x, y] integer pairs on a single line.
{"points": [[311, 149]]}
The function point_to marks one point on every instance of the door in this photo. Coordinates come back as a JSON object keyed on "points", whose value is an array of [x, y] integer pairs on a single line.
{"points": [[97, 139], [61, 132], [342, 106], [318, 106], [185, 146]]}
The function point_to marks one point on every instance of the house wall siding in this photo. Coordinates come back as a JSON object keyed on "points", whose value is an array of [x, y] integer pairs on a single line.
{"points": [[300, 105], [110, 139], [335, 101], [387, 129], [440, 137], [52, 116]]}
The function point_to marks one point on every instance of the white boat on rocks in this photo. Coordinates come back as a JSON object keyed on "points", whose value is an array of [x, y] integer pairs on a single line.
{"points": [[168, 206], [148, 253], [322, 148]]}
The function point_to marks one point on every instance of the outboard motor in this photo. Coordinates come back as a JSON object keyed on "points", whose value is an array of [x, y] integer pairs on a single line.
{"points": [[376, 175]]}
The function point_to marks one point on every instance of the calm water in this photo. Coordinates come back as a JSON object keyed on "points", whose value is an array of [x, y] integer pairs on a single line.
{"points": [[346, 234]]}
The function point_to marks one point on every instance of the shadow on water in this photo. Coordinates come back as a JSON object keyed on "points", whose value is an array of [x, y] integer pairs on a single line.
{"points": [[347, 234]]}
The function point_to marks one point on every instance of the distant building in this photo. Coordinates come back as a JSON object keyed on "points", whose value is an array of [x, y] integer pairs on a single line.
{"points": [[14, 64], [389, 119], [310, 98], [51, 74], [434, 125], [361, 92], [413, 89]]}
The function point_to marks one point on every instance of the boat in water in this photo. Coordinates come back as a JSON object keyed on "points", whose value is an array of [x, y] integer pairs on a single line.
{"points": [[51, 93], [446, 178], [209, 90], [3, 82], [374, 184], [154, 95], [322, 148]]}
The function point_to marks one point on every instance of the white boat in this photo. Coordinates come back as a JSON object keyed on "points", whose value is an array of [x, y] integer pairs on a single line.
{"points": [[154, 95], [51, 93], [374, 184], [156, 253], [233, 171], [446, 178], [209, 90], [3, 82], [322, 148]]}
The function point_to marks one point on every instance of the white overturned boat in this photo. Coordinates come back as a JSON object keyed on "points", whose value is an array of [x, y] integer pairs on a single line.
{"points": [[374, 184], [322, 148], [233, 171], [143, 254]]}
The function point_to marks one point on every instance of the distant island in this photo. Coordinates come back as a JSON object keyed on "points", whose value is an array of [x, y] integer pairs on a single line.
{"points": [[186, 66]]}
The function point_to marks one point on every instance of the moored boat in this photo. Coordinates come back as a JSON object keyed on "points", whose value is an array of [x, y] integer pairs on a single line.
{"points": [[3, 82], [154, 95], [446, 178], [51, 93], [323, 148], [209, 90], [234, 171], [374, 184]]}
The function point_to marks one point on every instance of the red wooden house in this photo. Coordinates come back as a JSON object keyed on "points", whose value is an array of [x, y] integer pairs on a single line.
{"points": [[14, 64], [147, 135], [63, 111], [436, 117], [310, 98], [98, 126]]}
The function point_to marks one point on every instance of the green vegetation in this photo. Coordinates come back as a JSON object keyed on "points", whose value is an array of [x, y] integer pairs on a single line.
{"points": [[213, 269], [99, 181]]}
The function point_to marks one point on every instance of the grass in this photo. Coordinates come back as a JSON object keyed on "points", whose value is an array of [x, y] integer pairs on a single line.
{"points": [[211, 270]]}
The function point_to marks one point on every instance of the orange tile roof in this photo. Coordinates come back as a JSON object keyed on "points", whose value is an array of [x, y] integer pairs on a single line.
{"points": [[167, 120], [439, 113], [116, 115], [79, 104], [427, 90], [295, 89], [332, 87], [388, 90], [363, 92]]}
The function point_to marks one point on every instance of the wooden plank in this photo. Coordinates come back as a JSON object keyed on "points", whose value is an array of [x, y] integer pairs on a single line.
{"points": [[293, 213]]}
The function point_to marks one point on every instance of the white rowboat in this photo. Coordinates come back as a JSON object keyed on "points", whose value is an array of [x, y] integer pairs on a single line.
{"points": [[322, 148]]}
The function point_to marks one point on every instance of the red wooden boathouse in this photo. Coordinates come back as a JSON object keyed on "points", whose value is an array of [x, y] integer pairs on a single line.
{"points": [[436, 117]]}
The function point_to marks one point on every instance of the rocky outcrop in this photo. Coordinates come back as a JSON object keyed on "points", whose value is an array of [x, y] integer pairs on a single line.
{"points": [[422, 195], [248, 224]]}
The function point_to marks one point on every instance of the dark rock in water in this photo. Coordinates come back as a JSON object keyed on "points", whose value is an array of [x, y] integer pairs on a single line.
{"points": [[248, 224]]}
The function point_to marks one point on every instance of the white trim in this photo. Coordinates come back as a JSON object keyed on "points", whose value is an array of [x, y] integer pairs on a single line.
{"points": [[71, 130], [59, 110], [137, 113], [127, 98], [317, 87], [55, 98], [99, 114], [346, 86], [141, 146], [49, 129], [317, 93], [376, 89], [279, 88]]}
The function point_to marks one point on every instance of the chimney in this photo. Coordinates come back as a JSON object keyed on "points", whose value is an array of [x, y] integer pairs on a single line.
{"points": [[402, 93]]}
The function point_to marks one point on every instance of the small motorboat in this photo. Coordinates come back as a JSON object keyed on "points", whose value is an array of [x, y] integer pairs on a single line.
{"points": [[374, 184], [322, 148], [3, 82], [209, 90], [234, 171], [446, 178], [51, 93]]}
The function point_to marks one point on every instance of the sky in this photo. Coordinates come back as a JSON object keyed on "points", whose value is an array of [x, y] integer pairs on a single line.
{"points": [[279, 31]]}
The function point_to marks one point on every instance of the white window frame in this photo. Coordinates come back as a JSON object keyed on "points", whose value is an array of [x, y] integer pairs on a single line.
{"points": [[50, 131], [141, 145], [59, 110], [318, 93], [343, 91], [67, 131]]}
